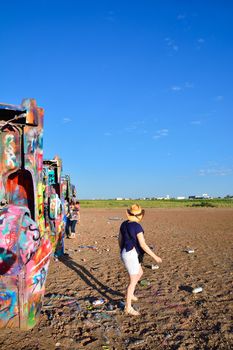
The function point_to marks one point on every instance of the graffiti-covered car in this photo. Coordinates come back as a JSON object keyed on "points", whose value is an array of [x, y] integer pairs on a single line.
{"points": [[25, 248], [68, 195], [54, 204]]}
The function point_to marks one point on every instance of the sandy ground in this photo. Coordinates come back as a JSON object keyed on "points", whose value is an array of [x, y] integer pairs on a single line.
{"points": [[172, 317]]}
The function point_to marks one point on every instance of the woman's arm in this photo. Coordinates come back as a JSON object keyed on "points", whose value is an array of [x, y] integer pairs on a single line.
{"points": [[119, 239], [146, 249]]}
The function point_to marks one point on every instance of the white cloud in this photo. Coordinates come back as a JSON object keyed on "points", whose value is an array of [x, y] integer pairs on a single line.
{"points": [[136, 126], [171, 44], [213, 164], [66, 120], [160, 133], [176, 88], [216, 171], [195, 122], [181, 16], [111, 16], [189, 85], [184, 86], [164, 132], [107, 134], [219, 98], [200, 41]]}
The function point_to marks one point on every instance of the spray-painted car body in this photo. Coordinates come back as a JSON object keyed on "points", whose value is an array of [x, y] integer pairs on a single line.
{"points": [[25, 249], [54, 204], [68, 190], [68, 195]]}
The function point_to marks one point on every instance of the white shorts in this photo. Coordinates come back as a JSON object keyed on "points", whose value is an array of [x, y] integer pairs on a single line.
{"points": [[130, 260]]}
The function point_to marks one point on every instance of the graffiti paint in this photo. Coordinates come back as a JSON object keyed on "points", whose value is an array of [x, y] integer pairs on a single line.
{"points": [[54, 202], [25, 248], [32, 207]]}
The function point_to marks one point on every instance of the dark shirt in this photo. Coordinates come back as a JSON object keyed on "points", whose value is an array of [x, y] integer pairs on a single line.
{"points": [[129, 231]]}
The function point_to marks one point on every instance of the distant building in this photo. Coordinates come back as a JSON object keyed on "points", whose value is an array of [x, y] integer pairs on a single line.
{"points": [[180, 197], [204, 196], [119, 199]]}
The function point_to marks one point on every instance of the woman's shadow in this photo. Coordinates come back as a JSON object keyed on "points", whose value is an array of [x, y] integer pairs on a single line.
{"points": [[90, 280]]}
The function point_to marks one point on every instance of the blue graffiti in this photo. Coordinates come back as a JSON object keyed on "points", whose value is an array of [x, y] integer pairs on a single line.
{"points": [[8, 303], [39, 279]]}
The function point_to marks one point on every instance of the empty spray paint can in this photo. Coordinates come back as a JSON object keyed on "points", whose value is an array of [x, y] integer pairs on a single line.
{"points": [[197, 290]]}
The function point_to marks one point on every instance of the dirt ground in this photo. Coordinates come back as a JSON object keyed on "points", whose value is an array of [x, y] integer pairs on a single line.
{"points": [[172, 317]]}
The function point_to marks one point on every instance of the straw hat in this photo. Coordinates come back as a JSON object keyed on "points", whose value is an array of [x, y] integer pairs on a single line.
{"points": [[135, 213]]}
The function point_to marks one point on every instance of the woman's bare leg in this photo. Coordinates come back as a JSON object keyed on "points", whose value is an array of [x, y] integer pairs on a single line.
{"points": [[133, 280]]}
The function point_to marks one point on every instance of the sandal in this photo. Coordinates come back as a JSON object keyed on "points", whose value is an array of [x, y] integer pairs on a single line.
{"points": [[132, 312]]}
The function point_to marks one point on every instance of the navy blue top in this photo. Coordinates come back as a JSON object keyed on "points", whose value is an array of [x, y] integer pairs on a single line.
{"points": [[129, 231]]}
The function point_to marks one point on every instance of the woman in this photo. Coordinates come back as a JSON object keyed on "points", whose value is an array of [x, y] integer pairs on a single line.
{"points": [[74, 217], [132, 244]]}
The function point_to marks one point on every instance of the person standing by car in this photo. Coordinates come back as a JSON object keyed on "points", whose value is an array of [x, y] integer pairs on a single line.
{"points": [[74, 217]]}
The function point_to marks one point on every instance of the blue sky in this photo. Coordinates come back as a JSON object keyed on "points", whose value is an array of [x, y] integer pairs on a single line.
{"points": [[138, 95]]}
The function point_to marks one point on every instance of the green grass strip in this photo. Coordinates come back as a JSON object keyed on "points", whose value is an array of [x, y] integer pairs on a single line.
{"points": [[171, 203]]}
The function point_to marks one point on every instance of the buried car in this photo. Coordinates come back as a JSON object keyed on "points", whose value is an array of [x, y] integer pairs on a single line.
{"points": [[25, 247]]}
